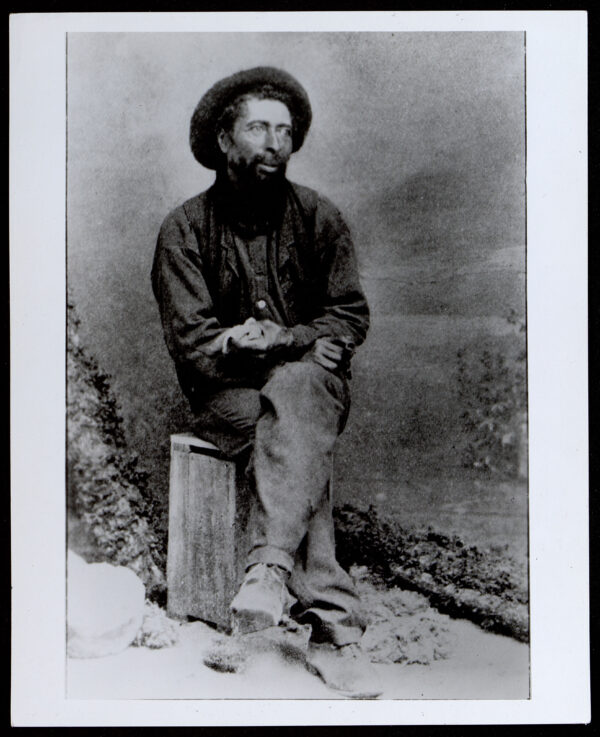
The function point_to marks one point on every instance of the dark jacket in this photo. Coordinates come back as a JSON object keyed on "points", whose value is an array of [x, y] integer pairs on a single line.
{"points": [[200, 289]]}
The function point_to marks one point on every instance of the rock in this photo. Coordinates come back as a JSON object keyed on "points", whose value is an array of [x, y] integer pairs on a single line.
{"points": [[227, 655], [105, 608], [402, 627], [157, 629]]}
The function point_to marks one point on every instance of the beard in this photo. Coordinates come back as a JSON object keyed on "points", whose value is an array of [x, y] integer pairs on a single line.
{"points": [[258, 174], [256, 191]]}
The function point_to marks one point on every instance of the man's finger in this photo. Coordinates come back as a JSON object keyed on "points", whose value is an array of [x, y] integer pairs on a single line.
{"points": [[334, 353], [329, 343], [325, 362], [247, 341], [259, 344]]}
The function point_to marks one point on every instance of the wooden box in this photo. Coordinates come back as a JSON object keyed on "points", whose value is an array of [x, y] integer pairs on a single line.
{"points": [[209, 502]]}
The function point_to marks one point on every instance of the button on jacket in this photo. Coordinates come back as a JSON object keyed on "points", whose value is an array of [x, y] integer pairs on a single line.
{"points": [[202, 286]]}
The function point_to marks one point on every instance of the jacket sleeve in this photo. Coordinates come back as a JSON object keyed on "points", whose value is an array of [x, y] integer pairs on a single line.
{"points": [[192, 332], [343, 306]]}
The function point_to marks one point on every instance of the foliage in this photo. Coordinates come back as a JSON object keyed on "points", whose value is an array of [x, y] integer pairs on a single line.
{"points": [[107, 490], [485, 586], [492, 390]]}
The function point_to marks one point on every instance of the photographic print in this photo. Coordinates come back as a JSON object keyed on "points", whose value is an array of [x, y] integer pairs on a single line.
{"points": [[395, 235], [298, 360]]}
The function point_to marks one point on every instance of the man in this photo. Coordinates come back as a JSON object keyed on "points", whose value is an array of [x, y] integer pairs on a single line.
{"points": [[261, 306]]}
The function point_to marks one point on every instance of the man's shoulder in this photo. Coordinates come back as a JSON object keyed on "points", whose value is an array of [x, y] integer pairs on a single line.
{"points": [[321, 211], [189, 213], [314, 202], [195, 207], [306, 196], [178, 228], [194, 212]]}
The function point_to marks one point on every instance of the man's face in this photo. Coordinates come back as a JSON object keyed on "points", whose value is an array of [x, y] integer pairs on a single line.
{"points": [[260, 143]]}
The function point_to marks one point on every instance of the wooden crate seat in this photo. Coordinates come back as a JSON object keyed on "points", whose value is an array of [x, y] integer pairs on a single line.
{"points": [[209, 502]]}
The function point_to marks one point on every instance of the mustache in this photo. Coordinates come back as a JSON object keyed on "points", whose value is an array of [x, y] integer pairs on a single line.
{"points": [[269, 160]]}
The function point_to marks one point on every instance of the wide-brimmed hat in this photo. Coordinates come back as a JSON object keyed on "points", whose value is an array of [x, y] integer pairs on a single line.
{"points": [[203, 126]]}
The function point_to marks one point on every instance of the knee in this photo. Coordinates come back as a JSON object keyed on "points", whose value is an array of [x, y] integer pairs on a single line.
{"points": [[305, 388], [306, 378], [229, 418]]}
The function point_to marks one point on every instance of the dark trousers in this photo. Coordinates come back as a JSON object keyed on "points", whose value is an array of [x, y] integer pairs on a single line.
{"points": [[289, 428]]}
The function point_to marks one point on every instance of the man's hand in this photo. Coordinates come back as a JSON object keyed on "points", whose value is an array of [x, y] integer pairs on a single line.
{"points": [[273, 336], [326, 353], [332, 353], [240, 335], [257, 336]]}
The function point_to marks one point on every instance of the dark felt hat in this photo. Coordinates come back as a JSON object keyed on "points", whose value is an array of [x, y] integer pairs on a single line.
{"points": [[203, 138]]}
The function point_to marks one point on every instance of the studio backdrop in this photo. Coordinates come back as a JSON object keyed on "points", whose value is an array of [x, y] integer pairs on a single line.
{"points": [[419, 139]]}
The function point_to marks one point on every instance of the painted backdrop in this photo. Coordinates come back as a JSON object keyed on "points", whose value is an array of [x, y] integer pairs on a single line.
{"points": [[419, 138]]}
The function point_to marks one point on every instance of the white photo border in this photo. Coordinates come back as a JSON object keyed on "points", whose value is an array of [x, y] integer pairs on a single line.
{"points": [[556, 59]]}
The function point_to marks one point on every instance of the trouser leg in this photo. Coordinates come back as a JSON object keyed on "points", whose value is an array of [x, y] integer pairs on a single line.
{"points": [[292, 425], [228, 419], [326, 596]]}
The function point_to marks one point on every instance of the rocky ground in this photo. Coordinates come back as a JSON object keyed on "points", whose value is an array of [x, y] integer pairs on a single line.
{"points": [[486, 584], [418, 652]]}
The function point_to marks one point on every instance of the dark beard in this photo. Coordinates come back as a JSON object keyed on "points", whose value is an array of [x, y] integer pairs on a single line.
{"points": [[249, 178], [252, 204]]}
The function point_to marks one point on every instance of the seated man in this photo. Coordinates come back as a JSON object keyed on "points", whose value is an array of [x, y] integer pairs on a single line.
{"points": [[261, 306]]}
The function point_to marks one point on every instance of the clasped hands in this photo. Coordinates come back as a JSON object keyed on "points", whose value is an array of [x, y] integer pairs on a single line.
{"points": [[258, 336], [261, 336]]}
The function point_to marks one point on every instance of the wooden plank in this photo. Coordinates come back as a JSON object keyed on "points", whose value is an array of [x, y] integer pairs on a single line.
{"points": [[209, 531], [177, 550], [211, 538]]}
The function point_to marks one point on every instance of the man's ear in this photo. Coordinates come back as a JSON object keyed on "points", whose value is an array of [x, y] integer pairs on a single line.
{"points": [[224, 140]]}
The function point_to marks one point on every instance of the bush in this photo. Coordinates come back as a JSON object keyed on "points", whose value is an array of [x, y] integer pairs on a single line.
{"points": [[486, 586], [110, 510], [492, 390]]}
